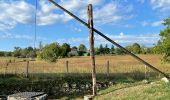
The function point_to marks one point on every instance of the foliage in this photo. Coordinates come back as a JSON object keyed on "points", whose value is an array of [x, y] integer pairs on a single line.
{"points": [[65, 49], [163, 45], [135, 48], [112, 50], [50, 52], [82, 49], [101, 49], [167, 22], [119, 51], [2, 54], [17, 51]]}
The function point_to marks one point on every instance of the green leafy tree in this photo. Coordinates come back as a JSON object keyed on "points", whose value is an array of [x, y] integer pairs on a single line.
{"points": [[166, 22], [106, 49], [119, 51], [112, 49], [2, 54], [65, 49], [17, 51], [82, 49], [157, 49], [101, 49], [28, 52], [165, 40], [136, 48], [163, 45], [50, 52]]}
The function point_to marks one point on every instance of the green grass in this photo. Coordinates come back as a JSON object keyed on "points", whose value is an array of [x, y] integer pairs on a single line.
{"points": [[137, 91]]}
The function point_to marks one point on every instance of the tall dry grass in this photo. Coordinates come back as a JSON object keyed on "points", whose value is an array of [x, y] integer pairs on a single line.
{"points": [[118, 64]]}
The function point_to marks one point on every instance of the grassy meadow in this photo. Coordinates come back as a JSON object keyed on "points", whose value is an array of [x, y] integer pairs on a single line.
{"points": [[117, 64], [126, 74]]}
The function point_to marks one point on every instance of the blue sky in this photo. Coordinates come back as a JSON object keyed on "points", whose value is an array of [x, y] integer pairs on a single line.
{"points": [[125, 21]]}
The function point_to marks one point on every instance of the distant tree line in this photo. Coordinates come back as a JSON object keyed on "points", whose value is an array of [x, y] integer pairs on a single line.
{"points": [[53, 51]]}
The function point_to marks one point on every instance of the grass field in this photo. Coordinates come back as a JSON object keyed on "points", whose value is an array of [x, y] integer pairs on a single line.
{"points": [[118, 64], [125, 72]]}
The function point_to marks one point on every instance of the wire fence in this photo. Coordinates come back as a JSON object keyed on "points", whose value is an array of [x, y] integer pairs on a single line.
{"points": [[108, 67]]}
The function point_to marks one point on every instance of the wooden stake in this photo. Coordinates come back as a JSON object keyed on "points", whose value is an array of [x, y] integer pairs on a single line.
{"points": [[27, 68], [108, 68], [6, 67], [91, 39], [67, 67]]}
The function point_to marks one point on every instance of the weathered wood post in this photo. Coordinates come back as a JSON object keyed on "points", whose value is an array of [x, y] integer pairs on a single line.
{"points": [[6, 67], [67, 67], [108, 65], [27, 69], [145, 72], [91, 39]]}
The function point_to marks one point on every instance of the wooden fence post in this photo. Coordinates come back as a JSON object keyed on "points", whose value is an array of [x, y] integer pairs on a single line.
{"points": [[27, 69], [108, 65], [67, 67], [5, 71], [92, 54]]}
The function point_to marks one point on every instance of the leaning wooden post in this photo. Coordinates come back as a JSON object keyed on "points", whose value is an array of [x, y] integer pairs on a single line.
{"points": [[27, 68], [91, 39], [67, 67], [108, 68]]}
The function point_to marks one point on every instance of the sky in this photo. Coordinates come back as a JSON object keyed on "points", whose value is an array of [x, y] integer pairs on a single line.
{"points": [[124, 21]]}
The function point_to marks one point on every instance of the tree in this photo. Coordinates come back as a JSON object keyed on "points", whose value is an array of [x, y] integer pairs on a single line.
{"points": [[28, 52], [65, 49], [136, 48], [157, 49], [17, 51], [106, 49], [167, 22], [164, 43], [119, 51], [2, 54], [50, 52], [112, 50], [101, 49], [82, 49]]}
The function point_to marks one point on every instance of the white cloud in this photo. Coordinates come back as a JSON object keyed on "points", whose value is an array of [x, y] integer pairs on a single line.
{"points": [[7, 35], [143, 39], [121, 34], [103, 12], [162, 5], [153, 24], [15, 12], [157, 23], [122, 38]]}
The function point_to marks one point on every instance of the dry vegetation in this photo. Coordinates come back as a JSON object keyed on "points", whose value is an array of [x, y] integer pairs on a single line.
{"points": [[118, 64]]}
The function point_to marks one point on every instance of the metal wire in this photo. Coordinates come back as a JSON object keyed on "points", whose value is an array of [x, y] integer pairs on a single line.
{"points": [[35, 24]]}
